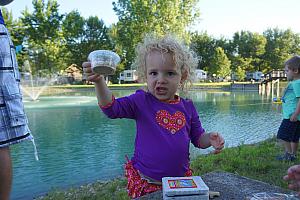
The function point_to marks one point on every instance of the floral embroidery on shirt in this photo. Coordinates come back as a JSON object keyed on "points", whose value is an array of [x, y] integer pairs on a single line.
{"points": [[173, 123]]}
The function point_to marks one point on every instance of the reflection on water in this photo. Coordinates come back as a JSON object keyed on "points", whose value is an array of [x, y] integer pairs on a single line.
{"points": [[78, 144]]}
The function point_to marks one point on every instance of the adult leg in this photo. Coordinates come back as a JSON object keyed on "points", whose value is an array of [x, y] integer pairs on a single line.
{"points": [[5, 173]]}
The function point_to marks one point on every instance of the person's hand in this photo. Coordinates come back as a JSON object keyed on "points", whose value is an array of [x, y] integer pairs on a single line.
{"points": [[89, 74], [293, 177], [216, 141], [293, 118]]}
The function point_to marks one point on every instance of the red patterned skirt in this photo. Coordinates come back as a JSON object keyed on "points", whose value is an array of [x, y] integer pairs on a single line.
{"points": [[136, 186]]}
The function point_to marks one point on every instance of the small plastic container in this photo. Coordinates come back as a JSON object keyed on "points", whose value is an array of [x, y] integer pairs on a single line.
{"points": [[191, 187], [103, 61], [271, 196]]}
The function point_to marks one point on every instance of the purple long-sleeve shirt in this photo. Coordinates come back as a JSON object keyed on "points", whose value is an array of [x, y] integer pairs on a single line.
{"points": [[163, 132]]}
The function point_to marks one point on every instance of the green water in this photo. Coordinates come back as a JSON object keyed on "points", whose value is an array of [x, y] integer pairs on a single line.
{"points": [[78, 144]]}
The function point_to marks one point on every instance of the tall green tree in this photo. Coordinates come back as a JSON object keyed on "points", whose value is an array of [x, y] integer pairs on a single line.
{"points": [[248, 46], [240, 73], [16, 30], [44, 37], [83, 36], [220, 64], [281, 44], [137, 17], [73, 34], [240, 67], [204, 45]]}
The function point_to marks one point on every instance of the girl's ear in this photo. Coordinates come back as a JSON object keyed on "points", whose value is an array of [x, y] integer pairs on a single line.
{"points": [[184, 76]]}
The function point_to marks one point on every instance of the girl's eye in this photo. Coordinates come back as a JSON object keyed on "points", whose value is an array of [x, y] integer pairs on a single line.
{"points": [[171, 73], [153, 73]]}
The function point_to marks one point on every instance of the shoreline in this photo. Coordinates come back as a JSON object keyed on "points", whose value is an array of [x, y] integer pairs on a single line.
{"points": [[224, 86], [91, 187]]}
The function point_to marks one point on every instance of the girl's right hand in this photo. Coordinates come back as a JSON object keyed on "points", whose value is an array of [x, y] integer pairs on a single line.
{"points": [[89, 75]]}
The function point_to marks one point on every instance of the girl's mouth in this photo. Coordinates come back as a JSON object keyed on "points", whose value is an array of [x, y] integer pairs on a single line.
{"points": [[161, 90]]}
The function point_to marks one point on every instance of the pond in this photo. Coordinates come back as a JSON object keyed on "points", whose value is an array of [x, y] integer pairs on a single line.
{"points": [[77, 144]]}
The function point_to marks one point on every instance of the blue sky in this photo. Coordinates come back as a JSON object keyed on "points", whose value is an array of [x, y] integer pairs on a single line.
{"points": [[218, 17]]}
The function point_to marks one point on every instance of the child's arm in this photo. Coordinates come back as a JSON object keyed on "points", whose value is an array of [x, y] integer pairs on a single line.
{"points": [[104, 95], [295, 115], [211, 139]]}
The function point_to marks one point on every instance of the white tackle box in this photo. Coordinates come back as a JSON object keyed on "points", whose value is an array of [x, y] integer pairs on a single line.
{"points": [[187, 188]]}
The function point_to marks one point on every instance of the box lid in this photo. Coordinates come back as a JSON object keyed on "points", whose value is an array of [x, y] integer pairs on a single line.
{"points": [[178, 186]]}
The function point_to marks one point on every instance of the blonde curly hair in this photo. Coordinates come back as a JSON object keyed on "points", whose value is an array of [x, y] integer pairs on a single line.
{"points": [[184, 58]]}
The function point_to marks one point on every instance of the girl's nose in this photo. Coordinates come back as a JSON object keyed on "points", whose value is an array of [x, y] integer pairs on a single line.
{"points": [[161, 79]]}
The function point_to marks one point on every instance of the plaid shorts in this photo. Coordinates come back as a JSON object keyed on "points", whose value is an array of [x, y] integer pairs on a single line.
{"points": [[13, 120]]}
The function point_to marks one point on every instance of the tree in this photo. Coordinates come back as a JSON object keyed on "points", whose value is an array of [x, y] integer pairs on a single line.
{"points": [[44, 37], [83, 36], [16, 31], [73, 34], [204, 45], [240, 66], [240, 73], [220, 64], [280, 46], [137, 17], [250, 46]]}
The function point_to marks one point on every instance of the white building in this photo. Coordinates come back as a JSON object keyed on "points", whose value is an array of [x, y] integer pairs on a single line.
{"points": [[128, 76], [200, 75], [254, 75]]}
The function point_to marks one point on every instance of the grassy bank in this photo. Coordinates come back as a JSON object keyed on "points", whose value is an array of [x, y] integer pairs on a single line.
{"points": [[255, 161], [64, 89]]}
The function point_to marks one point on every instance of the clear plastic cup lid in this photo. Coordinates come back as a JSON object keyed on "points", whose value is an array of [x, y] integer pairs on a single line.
{"points": [[104, 61], [104, 55], [271, 196]]}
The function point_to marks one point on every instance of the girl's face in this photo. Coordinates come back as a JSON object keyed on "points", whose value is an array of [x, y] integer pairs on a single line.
{"points": [[163, 77]]}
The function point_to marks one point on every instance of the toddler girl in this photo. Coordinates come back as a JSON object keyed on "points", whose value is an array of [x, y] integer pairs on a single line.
{"points": [[165, 122]]}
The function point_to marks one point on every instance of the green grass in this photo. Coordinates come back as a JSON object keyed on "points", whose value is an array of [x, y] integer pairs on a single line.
{"points": [[256, 161], [114, 189], [139, 85], [91, 85]]}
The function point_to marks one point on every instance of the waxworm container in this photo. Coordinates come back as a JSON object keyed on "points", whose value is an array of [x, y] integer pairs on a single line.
{"points": [[104, 61]]}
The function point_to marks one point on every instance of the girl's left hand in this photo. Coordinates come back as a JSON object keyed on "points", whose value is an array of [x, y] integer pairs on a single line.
{"points": [[216, 141]]}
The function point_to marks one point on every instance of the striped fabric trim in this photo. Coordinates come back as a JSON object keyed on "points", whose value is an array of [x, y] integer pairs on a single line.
{"points": [[6, 68], [15, 139]]}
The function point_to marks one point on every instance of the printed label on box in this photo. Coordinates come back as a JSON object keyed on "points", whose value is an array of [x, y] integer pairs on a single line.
{"points": [[182, 183]]}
